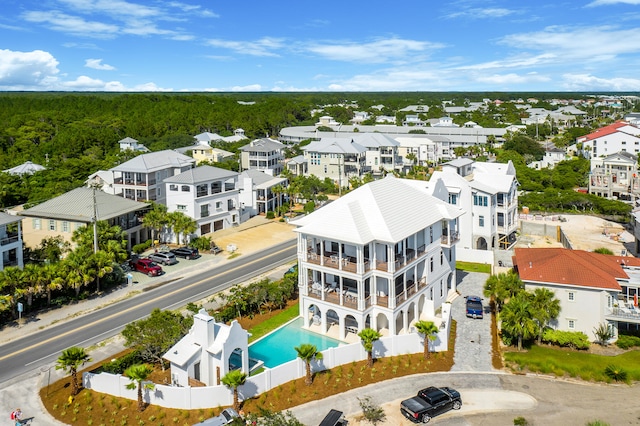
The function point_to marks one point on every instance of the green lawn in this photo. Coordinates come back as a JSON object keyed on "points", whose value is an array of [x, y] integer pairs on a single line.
{"points": [[274, 322], [473, 267], [578, 364]]}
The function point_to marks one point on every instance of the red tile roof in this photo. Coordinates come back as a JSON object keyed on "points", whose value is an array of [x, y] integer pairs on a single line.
{"points": [[571, 267], [604, 131]]}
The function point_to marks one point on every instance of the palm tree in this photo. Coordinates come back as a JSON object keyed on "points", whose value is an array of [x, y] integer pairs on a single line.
{"points": [[233, 380], [499, 288], [516, 318], [545, 308], [430, 332], [368, 336], [156, 219], [308, 352], [103, 264], [137, 374], [32, 283], [53, 279], [181, 223], [79, 270], [70, 360], [10, 282]]}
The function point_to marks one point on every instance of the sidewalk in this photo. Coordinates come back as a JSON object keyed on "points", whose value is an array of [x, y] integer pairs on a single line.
{"points": [[254, 235]]}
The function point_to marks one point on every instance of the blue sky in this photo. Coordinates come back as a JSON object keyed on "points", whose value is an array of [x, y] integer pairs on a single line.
{"points": [[208, 45]]}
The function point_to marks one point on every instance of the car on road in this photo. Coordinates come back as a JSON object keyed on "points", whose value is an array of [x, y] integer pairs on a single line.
{"points": [[429, 403], [146, 266], [186, 252], [225, 418], [163, 257], [474, 307]]}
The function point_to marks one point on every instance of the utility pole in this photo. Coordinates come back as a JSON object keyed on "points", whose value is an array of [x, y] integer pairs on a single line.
{"points": [[95, 220]]}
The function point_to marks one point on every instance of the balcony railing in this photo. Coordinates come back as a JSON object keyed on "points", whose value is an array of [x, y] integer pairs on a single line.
{"points": [[9, 240], [624, 314], [450, 239]]}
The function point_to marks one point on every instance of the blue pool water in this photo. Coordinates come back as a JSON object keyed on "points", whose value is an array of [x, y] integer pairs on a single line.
{"points": [[278, 347]]}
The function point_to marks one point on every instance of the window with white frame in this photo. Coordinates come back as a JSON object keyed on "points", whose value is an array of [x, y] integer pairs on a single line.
{"points": [[572, 296], [173, 187], [52, 225], [481, 221], [181, 207], [218, 205], [36, 223], [204, 210], [571, 324], [431, 264], [65, 226], [441, 257], [441, 288]]}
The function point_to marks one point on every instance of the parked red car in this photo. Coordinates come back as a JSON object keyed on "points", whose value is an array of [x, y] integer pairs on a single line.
{"points": [[146, 266]]}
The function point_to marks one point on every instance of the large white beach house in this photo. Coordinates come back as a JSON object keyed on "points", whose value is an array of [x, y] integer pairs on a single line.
{"points": [[382, 256]]}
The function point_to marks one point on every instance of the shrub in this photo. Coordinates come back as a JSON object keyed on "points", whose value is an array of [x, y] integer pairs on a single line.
{"points": [[372, 413], [201, 243], [139, 248], [569, 339], [625, 341], [520, 421], [616, 373], [118, 365], [271, 215], [603, 250]]}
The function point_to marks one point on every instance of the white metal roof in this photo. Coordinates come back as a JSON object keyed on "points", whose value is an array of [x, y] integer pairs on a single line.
{"points": [[387, 210]]}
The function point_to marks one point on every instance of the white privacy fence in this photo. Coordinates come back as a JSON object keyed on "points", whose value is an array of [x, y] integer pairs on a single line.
{"points": [[190, 398]]}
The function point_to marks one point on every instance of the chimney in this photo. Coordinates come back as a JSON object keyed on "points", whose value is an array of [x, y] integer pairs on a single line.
{"points": [[530, 264]]}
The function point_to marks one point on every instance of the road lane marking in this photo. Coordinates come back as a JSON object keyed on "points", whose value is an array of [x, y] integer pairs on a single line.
{"points": [[160, 297]]}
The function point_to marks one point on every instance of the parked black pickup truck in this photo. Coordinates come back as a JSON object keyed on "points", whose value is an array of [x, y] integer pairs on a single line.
{"points": [[429, 403]]}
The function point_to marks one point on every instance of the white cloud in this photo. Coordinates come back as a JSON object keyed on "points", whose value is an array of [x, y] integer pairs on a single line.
{"points": [[261, 47], [26, 70], [508, 80], [97, 64], [112, 7], [58, 21], [570, 43], [607, 2], [481, 13], [378, 51], [579, 82], [516, 62]]}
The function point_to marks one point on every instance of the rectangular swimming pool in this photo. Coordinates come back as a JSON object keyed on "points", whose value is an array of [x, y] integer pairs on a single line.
{"points": [[277, 348]]}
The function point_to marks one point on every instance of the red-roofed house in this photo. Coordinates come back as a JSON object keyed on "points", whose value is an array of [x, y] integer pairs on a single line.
{"points": [[616, 137], [592, 288]]}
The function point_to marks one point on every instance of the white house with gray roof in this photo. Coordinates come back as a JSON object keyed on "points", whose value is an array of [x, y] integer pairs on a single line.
{"points": [[26, 168], [369, 260], [208, 195], [140, 178], [62, 215], [256, 192], [10, 241], [487, 193], [382, 152], [265, 155], [336, 158]]}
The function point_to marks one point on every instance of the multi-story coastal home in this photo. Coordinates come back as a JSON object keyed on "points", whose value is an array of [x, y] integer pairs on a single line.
{"points": [[209, 195], [615, 176], [338, 159], [487, 193], [265, 155], [382, 256], [140, 178], [257, 193], [62, 215], [10, 241], [592, 288]]}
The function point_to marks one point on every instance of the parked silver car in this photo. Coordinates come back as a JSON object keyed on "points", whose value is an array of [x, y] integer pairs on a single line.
{"points": [[164, 258]]}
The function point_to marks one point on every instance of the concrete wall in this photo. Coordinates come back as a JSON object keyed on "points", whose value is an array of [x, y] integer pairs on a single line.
{"points": [[190, 398], [475, 256]]}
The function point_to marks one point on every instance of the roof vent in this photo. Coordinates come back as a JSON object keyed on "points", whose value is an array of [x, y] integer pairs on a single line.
{"points": [[530, 264]]}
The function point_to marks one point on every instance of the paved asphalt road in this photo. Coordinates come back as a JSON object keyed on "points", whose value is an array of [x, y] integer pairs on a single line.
{"points": [[43, 347]]}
